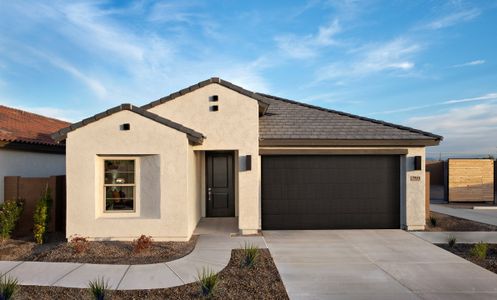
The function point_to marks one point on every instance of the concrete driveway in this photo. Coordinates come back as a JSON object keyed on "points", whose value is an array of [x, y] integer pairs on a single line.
{"points": [[373, 264]]}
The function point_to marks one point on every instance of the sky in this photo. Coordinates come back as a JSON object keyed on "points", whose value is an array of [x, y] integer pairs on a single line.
{"points": [[431, 65]]}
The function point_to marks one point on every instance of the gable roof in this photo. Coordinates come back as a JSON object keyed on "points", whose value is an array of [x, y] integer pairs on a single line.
{"points": [[19, 126], [193, 136], [263, 103], [288, 120]]}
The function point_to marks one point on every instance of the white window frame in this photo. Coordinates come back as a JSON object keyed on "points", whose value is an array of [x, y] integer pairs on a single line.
{"points": [[103, 212]]}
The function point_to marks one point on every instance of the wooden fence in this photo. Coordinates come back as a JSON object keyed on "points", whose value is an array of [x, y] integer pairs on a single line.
{"points": [[471, 180], [30, 189]]}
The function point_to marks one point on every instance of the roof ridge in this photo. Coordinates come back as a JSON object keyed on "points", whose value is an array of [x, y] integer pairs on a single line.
{"points": [[402, 127], [62, 134], [254, 95], [32, 113]]}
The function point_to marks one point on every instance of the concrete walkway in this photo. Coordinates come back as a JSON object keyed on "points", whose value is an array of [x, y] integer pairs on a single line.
{"points": [[373, 264], [212, 251], [478, 215], [462, 237]]}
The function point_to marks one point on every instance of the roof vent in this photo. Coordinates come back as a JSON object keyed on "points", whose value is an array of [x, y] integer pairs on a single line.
{"points": [[125, 126]]}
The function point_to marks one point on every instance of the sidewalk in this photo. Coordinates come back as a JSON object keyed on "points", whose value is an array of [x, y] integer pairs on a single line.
{"points": [[462, 237], [477, 215], [211, 251]]}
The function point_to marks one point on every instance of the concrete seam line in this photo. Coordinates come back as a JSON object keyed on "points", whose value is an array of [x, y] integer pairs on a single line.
{"points": [[169, 267], [20, 263], [125, 272], [60, 278]]}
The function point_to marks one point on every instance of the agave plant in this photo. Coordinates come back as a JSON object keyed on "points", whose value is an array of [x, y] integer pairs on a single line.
{"points": [[208, 281], [99, 288], [250, 254], [8, 287]]}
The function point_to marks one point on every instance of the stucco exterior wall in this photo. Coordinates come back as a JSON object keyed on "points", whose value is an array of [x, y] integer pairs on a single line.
{"points": [[29, 164], [162, 152], [235, 126], [414, 190]]}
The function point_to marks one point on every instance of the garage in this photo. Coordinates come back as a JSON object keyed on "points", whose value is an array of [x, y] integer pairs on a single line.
{"points": [[330, 192]]}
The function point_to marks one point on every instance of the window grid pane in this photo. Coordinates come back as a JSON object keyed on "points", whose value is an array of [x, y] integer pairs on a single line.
{"points": [[119, 185]]}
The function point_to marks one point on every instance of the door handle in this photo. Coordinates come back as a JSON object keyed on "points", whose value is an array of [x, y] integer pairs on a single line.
{"points": [[209, 194]]}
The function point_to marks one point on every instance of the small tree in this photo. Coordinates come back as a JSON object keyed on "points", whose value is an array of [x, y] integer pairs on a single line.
{"points": [[41, 216], [10, 212]]}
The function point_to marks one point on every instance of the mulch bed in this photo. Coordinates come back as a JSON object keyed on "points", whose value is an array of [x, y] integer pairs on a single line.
{"points": [[107, 252], [463, 250], [450, 223], [262, 281]]}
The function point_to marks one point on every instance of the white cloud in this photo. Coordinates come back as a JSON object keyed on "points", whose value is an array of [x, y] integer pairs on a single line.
{"points": [[68, 115], [486, 97], [394, 55], [467, 129], [452, 19], [470, 63], [303, 47]]}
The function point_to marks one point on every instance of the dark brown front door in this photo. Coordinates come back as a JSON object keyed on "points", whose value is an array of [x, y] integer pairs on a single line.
{"points": [[220, 189]]}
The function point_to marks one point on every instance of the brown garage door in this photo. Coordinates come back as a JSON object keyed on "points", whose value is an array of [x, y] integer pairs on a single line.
{"points": [[330, 192]]}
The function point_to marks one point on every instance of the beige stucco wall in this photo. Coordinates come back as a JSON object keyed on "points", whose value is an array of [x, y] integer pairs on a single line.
{"points": [[234, 127], [163, 155], [412, 191]]}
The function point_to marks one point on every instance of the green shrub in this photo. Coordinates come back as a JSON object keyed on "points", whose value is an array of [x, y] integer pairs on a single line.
{"points": [[41, 216], [250, 254], [98, 288], [10, 212], [451, 241], [433, 221], [8, 287], [208, 281], [480, 250]]}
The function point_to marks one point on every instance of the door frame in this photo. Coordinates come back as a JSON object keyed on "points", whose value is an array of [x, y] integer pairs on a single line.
{"points": [[233, 178]]}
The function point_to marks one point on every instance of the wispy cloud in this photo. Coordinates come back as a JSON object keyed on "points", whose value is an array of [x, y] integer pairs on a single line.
{"points": [[486, 97], [303, 47], [469, 129], [394, 56], [470, 63], [452, 19]]}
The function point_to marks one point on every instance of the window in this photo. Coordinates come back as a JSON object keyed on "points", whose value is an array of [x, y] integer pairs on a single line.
{"points": [[119, 185]]}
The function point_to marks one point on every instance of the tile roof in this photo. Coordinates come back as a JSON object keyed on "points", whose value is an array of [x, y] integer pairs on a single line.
{"points": [[194, 136], [24, 127], [288, 119]]}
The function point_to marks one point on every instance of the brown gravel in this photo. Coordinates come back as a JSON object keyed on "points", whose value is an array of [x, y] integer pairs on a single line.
{"points": [[108, 252], [259, 282], [463, 250], [450, 223]]}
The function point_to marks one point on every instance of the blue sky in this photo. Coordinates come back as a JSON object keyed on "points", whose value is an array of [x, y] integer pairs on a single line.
{"points": [[426, 64]]}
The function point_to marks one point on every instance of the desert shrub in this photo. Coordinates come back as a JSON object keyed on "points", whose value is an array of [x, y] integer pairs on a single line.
{"points": [[78, 244], [480, 250], [98, 288], [250, 254], [8, 287], [41, 216], [433, 221], [10, 212], [451, 241], [142, 243], [208, 281]]}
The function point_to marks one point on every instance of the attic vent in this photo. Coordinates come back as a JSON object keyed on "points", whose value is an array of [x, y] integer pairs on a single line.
{"points": [[214, 108], [125, 126], [214, 98]]}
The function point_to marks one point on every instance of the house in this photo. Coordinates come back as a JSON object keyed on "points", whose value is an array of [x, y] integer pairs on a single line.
{"points": [[215, 149], [26, 147]]}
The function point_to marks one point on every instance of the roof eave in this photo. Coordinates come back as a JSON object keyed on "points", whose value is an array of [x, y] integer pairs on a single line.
{"points": [[348, 142]]}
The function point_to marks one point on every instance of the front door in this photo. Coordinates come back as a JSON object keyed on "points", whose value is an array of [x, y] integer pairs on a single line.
{"points": [[220, 189]]}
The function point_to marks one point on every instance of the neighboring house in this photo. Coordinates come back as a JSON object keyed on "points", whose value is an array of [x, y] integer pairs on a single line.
{"points": [[26, 147], [217, 150]]}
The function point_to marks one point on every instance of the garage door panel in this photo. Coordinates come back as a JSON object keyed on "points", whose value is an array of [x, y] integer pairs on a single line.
{"points": [[327, 192]]}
